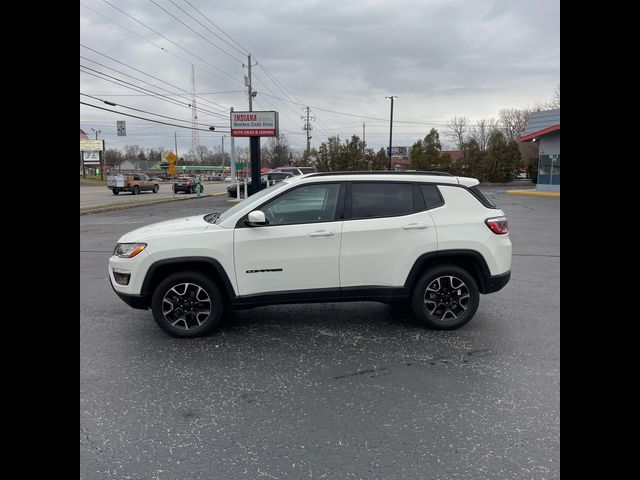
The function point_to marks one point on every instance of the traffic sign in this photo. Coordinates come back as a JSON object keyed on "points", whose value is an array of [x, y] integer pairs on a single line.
{"points": [[171, 158], [122, 128], [172, 169]]}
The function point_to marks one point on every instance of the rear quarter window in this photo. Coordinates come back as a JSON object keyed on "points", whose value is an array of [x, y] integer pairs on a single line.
{"points": [[475, 191], [432, 196]]}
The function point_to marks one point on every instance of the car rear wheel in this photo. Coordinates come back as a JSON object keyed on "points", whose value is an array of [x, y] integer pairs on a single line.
{"points": [[136, 190], [446, 297], [156, 187], [115, 192], [187, 304]]}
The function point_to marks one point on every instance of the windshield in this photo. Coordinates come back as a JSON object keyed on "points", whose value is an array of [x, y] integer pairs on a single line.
{"points": [[236, 208]]}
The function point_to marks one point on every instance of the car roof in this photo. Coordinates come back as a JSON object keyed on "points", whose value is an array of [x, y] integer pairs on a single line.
{"points": [[426, 176]]}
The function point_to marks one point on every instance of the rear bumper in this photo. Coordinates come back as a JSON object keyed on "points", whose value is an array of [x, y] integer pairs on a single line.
{"points": [[496, 283]]}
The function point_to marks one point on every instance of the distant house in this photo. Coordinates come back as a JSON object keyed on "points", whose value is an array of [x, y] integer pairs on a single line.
{"points": [[544, 127]]}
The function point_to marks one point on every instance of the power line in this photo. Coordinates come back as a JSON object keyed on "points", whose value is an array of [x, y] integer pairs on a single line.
{"points": [[194, 31], [138, 88], [159, 46], [224, 108], [211, 22], [148, 119], [207, 28], [174, 43], [131, 108]]}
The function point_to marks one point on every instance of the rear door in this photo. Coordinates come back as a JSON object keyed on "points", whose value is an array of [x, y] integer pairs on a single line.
{"points": [[386, 228]]}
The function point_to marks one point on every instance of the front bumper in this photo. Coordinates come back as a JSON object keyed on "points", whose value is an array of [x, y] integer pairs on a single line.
{"points": [[141, 302]]}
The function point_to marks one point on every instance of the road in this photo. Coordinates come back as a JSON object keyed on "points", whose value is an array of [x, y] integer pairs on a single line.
{"points": [[92, 195], [339, 390]]}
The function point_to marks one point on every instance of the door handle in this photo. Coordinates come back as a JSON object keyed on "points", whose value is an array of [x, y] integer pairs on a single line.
{"points": [[415, 226], [322, 233]]}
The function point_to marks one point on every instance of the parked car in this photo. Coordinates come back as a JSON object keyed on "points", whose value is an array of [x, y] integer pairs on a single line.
{"points": [[187, 184], [432, 242], [295, 170], [266, 179], [134, 183]]}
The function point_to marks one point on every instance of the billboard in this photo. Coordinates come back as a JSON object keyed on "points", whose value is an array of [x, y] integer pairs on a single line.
{"points": [[400, 152], [254, 124], [91, 145]]}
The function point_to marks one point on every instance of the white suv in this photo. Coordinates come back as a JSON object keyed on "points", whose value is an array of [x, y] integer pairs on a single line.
{"points": [[432, 241]]}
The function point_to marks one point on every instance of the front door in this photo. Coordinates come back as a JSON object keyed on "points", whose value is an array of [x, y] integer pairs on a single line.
{"points": [[298, 249]]}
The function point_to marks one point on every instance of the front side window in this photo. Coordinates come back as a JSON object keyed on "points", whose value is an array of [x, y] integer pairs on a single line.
{"points": [[306, 204], [379, 199]]}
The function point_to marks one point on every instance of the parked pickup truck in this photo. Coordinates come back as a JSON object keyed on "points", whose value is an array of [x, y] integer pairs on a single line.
{"points": [[134, 183]]}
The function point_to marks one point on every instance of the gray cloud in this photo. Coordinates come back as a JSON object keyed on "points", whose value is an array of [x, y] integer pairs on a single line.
{"points": [[442, 58]]}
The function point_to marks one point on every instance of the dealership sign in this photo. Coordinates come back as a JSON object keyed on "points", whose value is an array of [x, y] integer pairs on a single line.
{"points": [[254, 124], [91, 145]]}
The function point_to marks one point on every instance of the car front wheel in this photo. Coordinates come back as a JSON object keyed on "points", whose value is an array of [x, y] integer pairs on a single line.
{"points": [[187, 304], [156, 187], [446, 297]]}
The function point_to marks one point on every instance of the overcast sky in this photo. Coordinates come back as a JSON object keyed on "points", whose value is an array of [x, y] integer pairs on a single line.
{"points": [[442, 58]]}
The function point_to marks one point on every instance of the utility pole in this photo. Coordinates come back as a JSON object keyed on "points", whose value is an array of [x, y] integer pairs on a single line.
{"points": [[254, 142], [248, 84], [233, 156], [307, 126], [195, 138], [175, 141], [391, 128], [363, 141], [223, 153]]}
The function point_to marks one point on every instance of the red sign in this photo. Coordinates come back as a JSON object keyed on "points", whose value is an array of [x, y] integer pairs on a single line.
{"points": [[252, 132]]}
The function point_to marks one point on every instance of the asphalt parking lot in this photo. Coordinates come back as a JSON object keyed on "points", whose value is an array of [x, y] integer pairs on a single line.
{"points": [[334, 391]]}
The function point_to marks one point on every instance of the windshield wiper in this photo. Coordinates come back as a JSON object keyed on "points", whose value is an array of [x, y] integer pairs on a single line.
{"points": [[211, 217]]}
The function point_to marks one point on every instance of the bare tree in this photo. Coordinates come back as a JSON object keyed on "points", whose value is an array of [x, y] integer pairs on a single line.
{"points": [[457, 130], [482, 130], [514, 122]]}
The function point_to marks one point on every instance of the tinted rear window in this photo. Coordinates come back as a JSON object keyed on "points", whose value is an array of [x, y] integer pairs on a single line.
{"points": [[481, 197], [381, 199], [307, 170]]}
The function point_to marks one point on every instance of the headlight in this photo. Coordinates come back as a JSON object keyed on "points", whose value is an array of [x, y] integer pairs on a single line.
{"points": [[128, 250]]}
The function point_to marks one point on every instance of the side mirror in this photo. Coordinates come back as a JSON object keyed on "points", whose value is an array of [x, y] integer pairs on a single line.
{"points": [[256, 218]]}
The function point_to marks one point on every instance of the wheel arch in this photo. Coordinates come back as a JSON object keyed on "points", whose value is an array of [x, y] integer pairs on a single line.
{"points": [[207, 266], [470, 260]]}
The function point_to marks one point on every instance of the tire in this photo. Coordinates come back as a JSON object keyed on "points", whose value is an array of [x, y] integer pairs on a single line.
{"points": [[115, 192], [173, 296], [136, 190], [156, 187], [439, 306], [188, 190]]}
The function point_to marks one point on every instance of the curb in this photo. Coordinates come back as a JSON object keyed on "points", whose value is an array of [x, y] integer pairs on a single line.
{"points": [[123, 206], [532, 193]]}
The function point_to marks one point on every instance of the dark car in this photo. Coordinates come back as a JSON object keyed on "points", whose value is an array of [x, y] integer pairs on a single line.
{"points": [[187, 185], [271, 177]]}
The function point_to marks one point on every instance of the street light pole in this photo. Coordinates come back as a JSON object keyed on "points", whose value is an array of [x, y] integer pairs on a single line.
{"points": [[100, 156], [391, 128]]}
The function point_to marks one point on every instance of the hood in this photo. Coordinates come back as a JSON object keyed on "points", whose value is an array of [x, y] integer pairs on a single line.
{"points": [[178, 226]]}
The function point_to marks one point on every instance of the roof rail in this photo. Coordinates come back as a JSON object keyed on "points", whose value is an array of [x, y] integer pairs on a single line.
{"points": [[381, 172]]}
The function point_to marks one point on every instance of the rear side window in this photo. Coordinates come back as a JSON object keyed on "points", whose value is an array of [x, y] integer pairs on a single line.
{"points": [[481, 197], [432, 197], [380, 199]]}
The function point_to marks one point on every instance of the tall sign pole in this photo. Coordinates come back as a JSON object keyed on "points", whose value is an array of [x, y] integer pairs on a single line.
{"points": [[254, 145], [391, 128]]}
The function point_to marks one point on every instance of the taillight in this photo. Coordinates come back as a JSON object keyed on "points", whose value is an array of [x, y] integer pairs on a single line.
{"points": [[498, 225]]}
